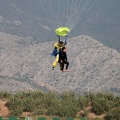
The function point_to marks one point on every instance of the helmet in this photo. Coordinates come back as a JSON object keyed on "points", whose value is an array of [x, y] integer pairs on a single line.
{"points": [[61, 42]]}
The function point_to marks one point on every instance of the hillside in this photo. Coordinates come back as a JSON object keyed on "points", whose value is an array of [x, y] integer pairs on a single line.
{"points": [[26, 65]]}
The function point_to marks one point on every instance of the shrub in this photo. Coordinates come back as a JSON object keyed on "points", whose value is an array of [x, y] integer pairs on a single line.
{"points": [[68, 105], [5, 95], [83, 102], [64, 105], [17, 111], [39, 111], [113, 114], [51, 99], [100, 106]]}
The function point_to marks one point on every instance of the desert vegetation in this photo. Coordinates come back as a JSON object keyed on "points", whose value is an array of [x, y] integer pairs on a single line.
{"points": [[67, 104]]}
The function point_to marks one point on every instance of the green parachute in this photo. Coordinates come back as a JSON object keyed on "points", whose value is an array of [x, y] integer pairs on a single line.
{"points": [[62, 31]]}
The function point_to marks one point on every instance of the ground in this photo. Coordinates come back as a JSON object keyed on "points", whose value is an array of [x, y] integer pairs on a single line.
{"points": [[4, 111]]}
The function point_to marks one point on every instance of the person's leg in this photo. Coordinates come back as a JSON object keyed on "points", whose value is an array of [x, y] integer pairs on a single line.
{"points": [[67, 64], [56, 61], [62, 66]]}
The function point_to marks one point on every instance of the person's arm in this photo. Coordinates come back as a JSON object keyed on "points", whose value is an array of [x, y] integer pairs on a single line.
{"points": [[65, 41], [66, 56], [58, 38], [60, 57]]}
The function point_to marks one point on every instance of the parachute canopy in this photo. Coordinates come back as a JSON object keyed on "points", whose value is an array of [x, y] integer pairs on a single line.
{"points": [[62, 31]]}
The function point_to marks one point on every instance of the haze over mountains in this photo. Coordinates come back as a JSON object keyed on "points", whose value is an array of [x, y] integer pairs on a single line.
{"points": [[25, 64], [24, 18]]}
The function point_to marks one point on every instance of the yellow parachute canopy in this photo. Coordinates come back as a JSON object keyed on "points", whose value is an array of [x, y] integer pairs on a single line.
{"points": [[62, 31]]}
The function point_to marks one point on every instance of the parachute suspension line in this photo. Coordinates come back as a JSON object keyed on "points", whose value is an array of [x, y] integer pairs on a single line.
{"points": [[75, 13], [61, 14], [71, 12], [43, 6], [46, 9], [67, 13], [76, 6], [75, 9], [79, 11], [82, 15], [55, 14], [82, 8], [51, 8], [64, 20], [58, 14], [50, 13]]}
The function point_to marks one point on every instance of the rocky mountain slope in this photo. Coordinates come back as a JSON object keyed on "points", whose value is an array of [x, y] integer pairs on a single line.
{"points": [[26, 65]]}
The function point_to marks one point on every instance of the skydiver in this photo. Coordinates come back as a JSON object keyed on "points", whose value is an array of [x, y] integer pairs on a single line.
{"points": [[63, 59], [55, 53], [57, 46]]}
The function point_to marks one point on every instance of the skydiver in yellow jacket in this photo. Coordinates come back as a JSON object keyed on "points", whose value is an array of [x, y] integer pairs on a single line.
{"points": [[57, 46]]}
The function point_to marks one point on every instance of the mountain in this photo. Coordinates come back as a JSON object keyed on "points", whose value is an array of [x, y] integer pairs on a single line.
{"points": [[26, 18], [26, 64]]}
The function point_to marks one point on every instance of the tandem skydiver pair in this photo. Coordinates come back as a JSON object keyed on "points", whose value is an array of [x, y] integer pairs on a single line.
{"points": [[60, 50]]}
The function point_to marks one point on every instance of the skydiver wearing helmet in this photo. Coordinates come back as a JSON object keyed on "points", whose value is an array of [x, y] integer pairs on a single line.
{"points": [[57, 47], [62, 31]]}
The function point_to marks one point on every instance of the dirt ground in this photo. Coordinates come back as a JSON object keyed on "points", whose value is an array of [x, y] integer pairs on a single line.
{"points": [[3, 109]]}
